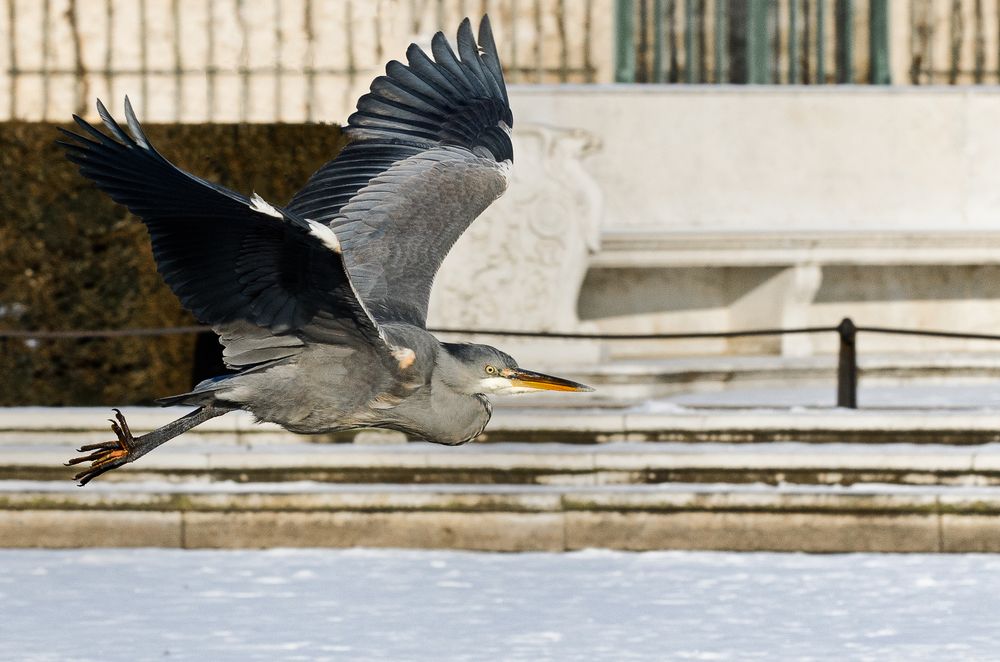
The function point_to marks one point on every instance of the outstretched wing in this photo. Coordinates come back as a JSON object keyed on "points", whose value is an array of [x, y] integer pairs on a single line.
{"points": [[430, 150], [264, 278]]}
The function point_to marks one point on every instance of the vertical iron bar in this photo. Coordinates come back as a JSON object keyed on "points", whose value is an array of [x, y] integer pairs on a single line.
{"points": [[793, 42], [210, 68], [921, 42], [721, 35], [702, 41], [588, 22], [847, 365], [349, 45], [12, 55], [757, 41], [46, 48], [175, 15], [144, 57], [310, 59], [674, 70], [279, 67], [563, 44], [806, 43], [539, 43], [878, 42], [957, 36], [658, 42], [642, 74], [80, 73], [515, 69], [844, 48], [980, 44], [625, 41], [690, 61], [821, 42], [774, 41], [244, 65], [109, 48]]}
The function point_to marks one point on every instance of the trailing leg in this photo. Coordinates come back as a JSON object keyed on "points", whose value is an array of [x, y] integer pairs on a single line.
{"points": [[126, 448]]}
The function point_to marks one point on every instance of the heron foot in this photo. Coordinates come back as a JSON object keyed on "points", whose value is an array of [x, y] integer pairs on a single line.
{"points": [[106, 455]]}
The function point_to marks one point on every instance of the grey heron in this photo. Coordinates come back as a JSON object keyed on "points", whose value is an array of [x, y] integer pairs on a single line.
{"points": [[321, 305]]}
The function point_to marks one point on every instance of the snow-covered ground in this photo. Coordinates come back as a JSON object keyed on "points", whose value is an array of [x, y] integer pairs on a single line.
{"points": [[427, 605]]}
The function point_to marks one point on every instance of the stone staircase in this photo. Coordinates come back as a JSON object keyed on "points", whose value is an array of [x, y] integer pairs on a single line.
{"points": [[542, 479]]}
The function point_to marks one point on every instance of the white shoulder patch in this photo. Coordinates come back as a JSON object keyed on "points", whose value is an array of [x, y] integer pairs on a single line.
{"points": [[327, 236], [261, 205], [404, 357]]}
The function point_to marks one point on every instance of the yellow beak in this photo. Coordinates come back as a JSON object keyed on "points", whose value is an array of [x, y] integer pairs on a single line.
{"points": [[530, 379]]}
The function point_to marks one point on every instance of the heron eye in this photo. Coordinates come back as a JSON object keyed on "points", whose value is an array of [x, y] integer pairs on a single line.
{"points": [[490, 370]]}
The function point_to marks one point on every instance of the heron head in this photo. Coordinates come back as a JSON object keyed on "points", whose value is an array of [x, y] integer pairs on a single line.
{"points": [[487, 370]]}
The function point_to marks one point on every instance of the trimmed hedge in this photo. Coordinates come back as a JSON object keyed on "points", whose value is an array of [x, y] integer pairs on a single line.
{"points": [[72, 259]]}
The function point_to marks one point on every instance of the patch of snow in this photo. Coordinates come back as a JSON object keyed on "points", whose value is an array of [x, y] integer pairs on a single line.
{"points": [[377, 605]]}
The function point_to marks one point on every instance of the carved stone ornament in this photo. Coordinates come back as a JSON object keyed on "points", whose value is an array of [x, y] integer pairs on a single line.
{"points": [[521, 264]]}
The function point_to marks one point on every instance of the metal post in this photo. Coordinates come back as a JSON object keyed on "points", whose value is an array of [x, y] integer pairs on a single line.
{"points": [[625, 41], [878, 42], [844, 10], [847, 366]]}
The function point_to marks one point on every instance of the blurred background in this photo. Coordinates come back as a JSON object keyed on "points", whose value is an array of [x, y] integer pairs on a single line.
{"points": [[691, 167], [685, 166], [687, 171]]}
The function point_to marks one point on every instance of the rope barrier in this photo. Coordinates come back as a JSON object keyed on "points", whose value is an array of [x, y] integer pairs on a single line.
{"points": [[181, 330], [103, 333], [929, 333], [847, 360]]}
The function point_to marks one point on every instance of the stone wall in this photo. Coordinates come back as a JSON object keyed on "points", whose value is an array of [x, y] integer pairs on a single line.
{"points": [[750, 208]]}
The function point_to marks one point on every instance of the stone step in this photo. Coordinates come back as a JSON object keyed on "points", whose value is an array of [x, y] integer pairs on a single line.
{"points": [[635, 380], [504, 518], [621, 463], [73, 426]]}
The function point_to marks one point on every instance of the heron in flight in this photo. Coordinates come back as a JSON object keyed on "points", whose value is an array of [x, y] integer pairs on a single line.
{"points": [[321, 305]]}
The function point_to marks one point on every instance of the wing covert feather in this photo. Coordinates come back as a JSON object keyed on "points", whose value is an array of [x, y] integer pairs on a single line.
{"points": [[430, 150]]}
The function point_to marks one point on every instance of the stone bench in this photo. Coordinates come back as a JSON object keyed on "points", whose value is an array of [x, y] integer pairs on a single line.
{"points": [[585, 197], [784, 300]]}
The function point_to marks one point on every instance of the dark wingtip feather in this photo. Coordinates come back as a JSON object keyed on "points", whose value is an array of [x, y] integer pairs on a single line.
{"points": [[490, 56], [90, 129], [454, 98], [111, 124], [133, 124], [469, 51], [102, 110], [445, 58]]}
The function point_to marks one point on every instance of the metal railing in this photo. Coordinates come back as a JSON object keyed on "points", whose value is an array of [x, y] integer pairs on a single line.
{"points": [[262, 60], [847, 332], [953, 42], [748, 41], [805, 42], [272, 60]]}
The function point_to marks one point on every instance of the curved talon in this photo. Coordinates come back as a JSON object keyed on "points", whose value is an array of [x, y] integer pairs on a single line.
{"points": [[107, 455]]}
